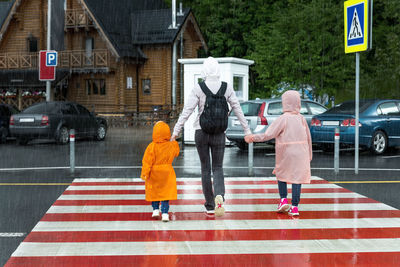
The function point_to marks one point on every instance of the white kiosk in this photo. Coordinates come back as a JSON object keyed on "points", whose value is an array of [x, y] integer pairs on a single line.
{"points": [[233, 70]]}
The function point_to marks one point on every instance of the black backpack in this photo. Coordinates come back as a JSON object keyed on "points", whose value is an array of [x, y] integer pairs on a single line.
{"points": [[214, 118]]}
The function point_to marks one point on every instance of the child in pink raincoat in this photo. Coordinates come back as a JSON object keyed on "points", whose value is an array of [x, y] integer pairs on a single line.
{"points": [[293, 150]]}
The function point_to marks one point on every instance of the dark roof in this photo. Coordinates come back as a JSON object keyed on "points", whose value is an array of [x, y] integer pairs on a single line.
{"points": [[131, 23], [27, 78], [4, 10], [114, 19], [153, 26]]}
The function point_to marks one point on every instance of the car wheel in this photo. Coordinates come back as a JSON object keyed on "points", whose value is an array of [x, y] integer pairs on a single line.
{"points": [[22, 141], [3, 135], [63, 136], [101, 132], [242, 145], [379, 143]]}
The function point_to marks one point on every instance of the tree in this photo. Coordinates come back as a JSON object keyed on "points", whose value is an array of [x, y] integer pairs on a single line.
{"points": [[301, 43]]}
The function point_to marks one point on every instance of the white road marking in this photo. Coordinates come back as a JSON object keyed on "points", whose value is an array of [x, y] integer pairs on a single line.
{"points": [[216, 224], [12, 234], [194, 187], [228, 208], [201, 196], [32, 249], [177, 167]]}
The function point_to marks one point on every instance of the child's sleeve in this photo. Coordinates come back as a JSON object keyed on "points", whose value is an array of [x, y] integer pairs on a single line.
{"points": [[308, 138], [176, 148], [274, 130], [147, 161]]}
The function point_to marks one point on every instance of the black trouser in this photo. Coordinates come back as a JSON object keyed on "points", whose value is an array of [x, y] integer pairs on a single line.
{"points": [[296, 190], [214, 143]]}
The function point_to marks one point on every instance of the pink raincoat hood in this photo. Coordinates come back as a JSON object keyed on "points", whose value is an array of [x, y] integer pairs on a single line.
{"points": [[210, 68], [291, 102]]}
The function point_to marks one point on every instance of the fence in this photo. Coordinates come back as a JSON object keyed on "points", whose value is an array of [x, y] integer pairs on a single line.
{"points": [[128, 117]]}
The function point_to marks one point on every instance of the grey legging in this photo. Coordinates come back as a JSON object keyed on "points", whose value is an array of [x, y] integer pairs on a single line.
{"points": [[216, 144]]}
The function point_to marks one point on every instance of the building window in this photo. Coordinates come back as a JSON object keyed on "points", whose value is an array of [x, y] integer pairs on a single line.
{"points": [[129, 83], [32, 44], [89, 46], [96, 87], [238, 86], [88, 87], [146, 86]]}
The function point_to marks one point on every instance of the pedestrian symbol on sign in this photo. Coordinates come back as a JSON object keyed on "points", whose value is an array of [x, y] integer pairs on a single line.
{"points": [[355, 28]]}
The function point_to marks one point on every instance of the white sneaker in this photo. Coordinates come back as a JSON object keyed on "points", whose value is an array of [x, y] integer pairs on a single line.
{"points": [[219, 206], [156, 213], [165, 217], [210, 212]]}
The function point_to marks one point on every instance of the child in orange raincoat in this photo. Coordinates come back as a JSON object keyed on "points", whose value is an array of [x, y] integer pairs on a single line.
{"points": [[293, 150], [157, 170]]}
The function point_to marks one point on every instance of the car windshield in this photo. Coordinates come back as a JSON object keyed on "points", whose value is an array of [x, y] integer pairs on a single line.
{"points": [[41, 108], [349, 107], [249, 108]]}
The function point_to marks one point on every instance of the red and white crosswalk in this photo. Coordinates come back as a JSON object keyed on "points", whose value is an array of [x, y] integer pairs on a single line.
{"points": [[107, 222]]}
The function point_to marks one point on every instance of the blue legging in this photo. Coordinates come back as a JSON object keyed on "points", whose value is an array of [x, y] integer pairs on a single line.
{"points": [[164, 205], [296, 190]]}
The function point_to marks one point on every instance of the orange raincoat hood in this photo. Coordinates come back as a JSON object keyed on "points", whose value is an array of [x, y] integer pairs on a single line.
{"points": [[291, 102], [161, 132]]}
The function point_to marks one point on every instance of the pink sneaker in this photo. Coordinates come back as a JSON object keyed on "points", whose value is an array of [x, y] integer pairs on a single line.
{"points": [[283, 206], [294, 211]]}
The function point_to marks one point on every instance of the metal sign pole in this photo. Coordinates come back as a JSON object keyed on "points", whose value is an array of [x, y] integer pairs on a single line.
{"points": [[48, 83], [357, 111], [72, 150], [250, 159], [337, 150]]}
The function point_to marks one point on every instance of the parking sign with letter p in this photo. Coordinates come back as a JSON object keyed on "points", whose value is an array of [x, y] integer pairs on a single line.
{"points": [[51, 58]]}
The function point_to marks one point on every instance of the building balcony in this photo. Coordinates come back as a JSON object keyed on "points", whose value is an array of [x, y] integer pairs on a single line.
{"points": [[68, 59], [77, 18]]}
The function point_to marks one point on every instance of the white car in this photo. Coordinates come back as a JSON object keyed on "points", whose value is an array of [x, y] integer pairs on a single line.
{"points": [[262, 112]]}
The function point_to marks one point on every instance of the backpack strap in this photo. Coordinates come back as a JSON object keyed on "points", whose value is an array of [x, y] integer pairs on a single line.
{"points": [[222, 89], [207, 92], [205, 89]]}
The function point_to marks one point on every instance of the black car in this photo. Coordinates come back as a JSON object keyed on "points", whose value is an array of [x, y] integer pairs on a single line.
{"points": [[53, 120], [5, 113]]}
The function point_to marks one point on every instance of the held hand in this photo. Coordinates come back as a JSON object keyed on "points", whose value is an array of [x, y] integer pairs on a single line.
{"points": [[249, 138], [173, 137]]}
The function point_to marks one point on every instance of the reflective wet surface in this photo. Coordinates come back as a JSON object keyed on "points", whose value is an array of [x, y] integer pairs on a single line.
{"points": [[354, 221]]}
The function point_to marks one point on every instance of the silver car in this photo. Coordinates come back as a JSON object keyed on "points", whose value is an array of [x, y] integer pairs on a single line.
{"points": [[262, 112]]}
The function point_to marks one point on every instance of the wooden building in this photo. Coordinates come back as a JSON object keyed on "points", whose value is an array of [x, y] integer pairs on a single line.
{"points": [[117, 54]]}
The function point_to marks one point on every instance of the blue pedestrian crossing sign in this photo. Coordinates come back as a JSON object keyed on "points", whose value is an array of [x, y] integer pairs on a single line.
{"points": [[356, 25], [51, 58]]}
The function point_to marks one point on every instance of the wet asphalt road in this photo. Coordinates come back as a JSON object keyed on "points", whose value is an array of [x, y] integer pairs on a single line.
{"points": [[32, 177]]}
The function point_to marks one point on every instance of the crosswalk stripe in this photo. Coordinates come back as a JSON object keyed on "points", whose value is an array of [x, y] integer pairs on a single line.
{"points": [[192, 187], [224, 224], [107, 222], [201, 196], [289, 259], [213, 235], [199, 202], [194, 182], [196, 216], [181, 179], [31, 249], [228, 208], [199, 191]]}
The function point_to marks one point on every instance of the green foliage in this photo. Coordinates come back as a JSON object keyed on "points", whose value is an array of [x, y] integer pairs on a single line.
{"points": [[301, 42]]}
